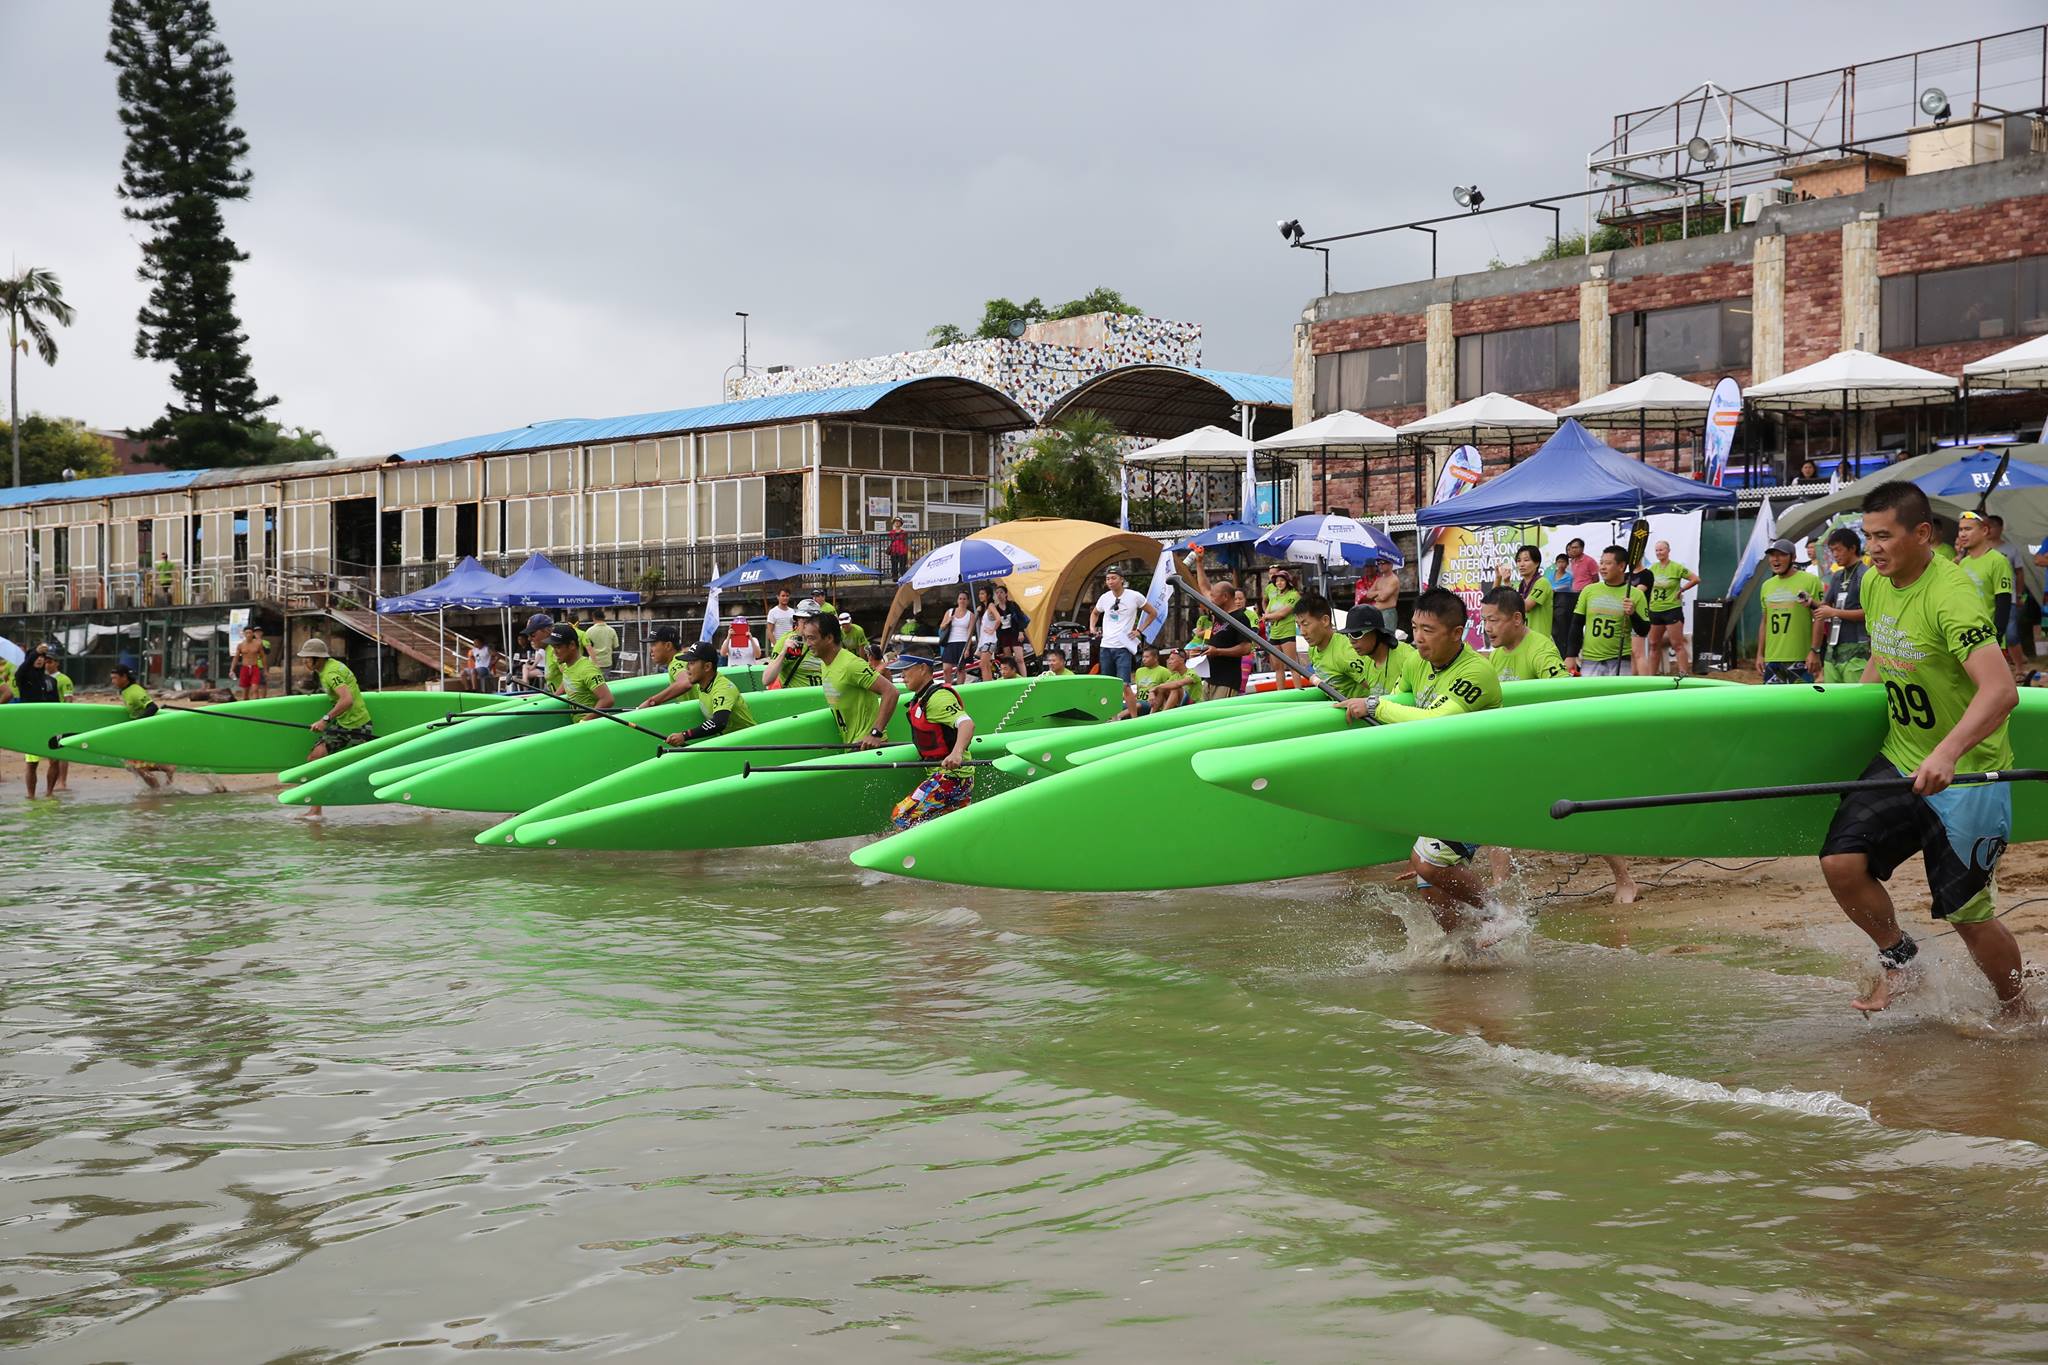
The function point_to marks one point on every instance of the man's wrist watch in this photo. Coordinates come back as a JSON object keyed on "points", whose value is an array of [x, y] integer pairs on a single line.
{"points": [[875, 732]]}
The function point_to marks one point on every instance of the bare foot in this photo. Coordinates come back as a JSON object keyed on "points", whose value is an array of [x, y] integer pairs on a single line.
{"points": [[1892, 985], [1625, 892]]}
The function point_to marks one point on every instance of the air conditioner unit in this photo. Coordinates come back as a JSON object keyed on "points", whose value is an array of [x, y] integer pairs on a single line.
{"points": [[1754, 204]]}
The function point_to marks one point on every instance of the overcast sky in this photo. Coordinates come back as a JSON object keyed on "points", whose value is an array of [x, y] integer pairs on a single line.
{"points": [[468, 216]]}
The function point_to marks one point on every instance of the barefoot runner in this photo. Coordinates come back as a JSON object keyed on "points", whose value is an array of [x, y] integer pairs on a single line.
{"points": [[1933, 646], [1459, 679], [251, 658], [861, 696], [941, 729], [139, 707]]}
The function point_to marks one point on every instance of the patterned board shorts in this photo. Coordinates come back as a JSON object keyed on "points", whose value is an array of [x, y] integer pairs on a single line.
{"points": [[937, 794], [336, 738], [1445, 853], [1960, 834]]}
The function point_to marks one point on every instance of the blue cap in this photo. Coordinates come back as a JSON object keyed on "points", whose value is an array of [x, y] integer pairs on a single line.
{"points": [[906, 660]]}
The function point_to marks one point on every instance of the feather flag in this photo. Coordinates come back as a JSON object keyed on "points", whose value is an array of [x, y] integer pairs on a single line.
{"points": [[710, 631]]}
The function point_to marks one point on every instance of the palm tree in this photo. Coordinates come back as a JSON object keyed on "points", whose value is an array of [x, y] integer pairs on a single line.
{"points": [[32, 300], [1067, 470]]}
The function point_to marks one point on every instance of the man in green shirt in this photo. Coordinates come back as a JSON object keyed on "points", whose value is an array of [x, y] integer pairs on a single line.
{"points": [[1670, 581], [1605, 606], [1528, 579], [1459, 680], [571, 674], [1838, 633], [600, 640], [166, 577], [795, 662], [1989, 570], [1948, 694], [347, 722], [861, 696], [852, 636], [139, 707], [725, 710], [1392, 664], [1180, 686], [1138, 692], [1784, 638], [1519, 653], [1332, 657]]}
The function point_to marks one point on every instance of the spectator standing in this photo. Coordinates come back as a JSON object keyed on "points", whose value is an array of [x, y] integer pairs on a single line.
{"points": [[1228, 647], [1011, 623], [1379, 585], [742, 648], [1784, 638], [1280, 598], [1580, 573], [1533, 586], [166, 578], [899, 548], [781, 617], [985, 631], [1670, 581], [1604, 611], [34, 682], [956, 630], [1120, 617], [604, 641], [1839, 635], [251, 660], [2019, 636]]}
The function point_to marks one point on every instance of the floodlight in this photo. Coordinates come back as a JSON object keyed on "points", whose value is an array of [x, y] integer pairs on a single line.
{"points": [[1703, 151], [1291, 230], [1934, 104], [1017, 326], [1468, 197]]}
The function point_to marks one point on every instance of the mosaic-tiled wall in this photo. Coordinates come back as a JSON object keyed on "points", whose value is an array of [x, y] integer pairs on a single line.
{"points": [[1032, 373]]}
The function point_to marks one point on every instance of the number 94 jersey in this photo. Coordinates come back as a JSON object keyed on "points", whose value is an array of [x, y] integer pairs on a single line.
{"points": [[1919, 638]]}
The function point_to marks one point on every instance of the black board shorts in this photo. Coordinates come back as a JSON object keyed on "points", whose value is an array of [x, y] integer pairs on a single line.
{"points": [[1671, 616], [949, 652], [336, 738], [1888, 827]]}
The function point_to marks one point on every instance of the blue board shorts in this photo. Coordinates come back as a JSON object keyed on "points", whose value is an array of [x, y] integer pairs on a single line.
{"points": [[1960, 835]]}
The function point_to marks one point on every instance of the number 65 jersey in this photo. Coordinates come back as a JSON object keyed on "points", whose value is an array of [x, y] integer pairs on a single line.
{"points": [[1919, 637]]}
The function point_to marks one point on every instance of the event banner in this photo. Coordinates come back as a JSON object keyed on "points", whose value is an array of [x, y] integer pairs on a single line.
{"points": [[1724, 413]]}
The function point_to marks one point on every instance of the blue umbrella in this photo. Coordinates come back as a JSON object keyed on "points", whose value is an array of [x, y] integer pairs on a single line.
{"points": [[969, 561], [1973, 474], [839, 566], [759, 569], [1328, 539], [1223, 533]]}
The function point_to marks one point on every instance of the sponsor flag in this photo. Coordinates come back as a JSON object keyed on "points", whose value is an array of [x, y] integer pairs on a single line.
{"points": [[1760, 537], [710, 630], [1123, 482], [1251, 487], [1156, 596], [1724, 413]]}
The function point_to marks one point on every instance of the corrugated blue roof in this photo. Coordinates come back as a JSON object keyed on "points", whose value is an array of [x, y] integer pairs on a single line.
{"points": [[113, 486], [1247, 388], [785, 407]]}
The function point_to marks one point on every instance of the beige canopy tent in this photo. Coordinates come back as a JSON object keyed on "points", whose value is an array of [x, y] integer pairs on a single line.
{"points": [[1071, 554]]}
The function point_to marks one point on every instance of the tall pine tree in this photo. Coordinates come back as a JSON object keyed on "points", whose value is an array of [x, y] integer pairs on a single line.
{"points": [[183, 162]]}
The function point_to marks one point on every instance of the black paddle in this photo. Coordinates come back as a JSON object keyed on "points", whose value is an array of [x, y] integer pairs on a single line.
{"points": [[757, 748], [1561, 810], [1258, 641], [594, 711], [230, 715], [749, 770]]}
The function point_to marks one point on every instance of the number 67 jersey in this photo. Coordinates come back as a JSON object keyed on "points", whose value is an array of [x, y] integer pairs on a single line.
{"points": [[1919, 637]]}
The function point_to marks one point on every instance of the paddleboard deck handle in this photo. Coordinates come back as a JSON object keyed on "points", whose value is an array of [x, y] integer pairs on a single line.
{"points": [[1564, 810]]}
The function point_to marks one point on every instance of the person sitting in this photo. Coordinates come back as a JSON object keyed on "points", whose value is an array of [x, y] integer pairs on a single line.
{"points": [[1138, 691], [1180, 686]]}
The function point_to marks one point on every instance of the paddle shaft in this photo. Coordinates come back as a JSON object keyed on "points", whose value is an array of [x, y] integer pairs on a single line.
{"points": [[594, 711], [1564, 809], [230, 715], [756, 748], [749, 770], [1259, 642]]}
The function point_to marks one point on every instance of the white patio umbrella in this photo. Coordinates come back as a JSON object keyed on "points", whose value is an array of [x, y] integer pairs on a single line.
{"points": [[1205, 448], [1657, 399], [1849, 382], [1343, 432], [2024, 366], [1489, 419]]}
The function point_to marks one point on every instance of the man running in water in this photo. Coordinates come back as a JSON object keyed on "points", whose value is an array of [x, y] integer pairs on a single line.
{"points": [[941, 729], [861, 696], [725, 710], [1458, 679], [1949, 692]]}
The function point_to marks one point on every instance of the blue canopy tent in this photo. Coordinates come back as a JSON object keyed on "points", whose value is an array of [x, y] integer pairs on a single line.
{"points": [[469, 586], [1574, 477], [538, 583]]}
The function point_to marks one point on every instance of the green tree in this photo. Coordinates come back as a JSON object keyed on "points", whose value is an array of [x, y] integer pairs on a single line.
{"points": [[47, 446], [1001, 318], [1067, 471], [33, 299], [183, 162]]}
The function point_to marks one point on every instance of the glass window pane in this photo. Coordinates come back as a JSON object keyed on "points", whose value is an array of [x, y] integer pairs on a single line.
{"points": [[1623, 353], [1386, 382], [1352, 370], [1326, 385], [726, 499], [831, 502], [1523, 360], [1471, 371], [959, 453], [1415, 365], [1895, 312], [1682, 340], [1966, 305], [895, 448], [753, 496], [607, 530], [2034, 295], [1737, 321]]}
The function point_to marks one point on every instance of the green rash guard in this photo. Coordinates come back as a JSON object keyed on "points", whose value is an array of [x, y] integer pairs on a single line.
{"points": [[721, 696], [1145, 679], [1286, 627], [335, 675], [1788, 622], [804, 670], [1339, 664], [7, 677], [63, 681], [1991, 572], [849, 682], [1607, 610], [1193, 691], [1667, 585], [1404, 671], [136, 700], [1919, 637], [1541, 600], [577, 681], [1467, 683], [1535, 657]]}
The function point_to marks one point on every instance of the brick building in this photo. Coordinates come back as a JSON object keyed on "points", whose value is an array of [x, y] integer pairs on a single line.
{"points": [[1934, 269]]}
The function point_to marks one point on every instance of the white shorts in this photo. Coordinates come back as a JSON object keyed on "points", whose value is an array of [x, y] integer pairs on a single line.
{"points": [[1606, 668], [1444, 852]]}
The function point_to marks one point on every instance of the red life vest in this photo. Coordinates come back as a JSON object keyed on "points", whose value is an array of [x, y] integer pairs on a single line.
{"points": [[933, 741]]}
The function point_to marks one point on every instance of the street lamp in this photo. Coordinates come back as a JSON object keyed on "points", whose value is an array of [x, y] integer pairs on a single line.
{"points": [[1292, 233]]}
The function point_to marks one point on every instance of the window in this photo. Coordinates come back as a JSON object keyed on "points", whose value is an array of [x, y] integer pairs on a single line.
{"points": [[1696, 339], [1383, 377], [1522, 360], [1970, 303]]}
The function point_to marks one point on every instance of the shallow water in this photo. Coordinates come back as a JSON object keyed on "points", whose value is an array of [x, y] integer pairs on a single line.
{"points": [[279, 1090]]}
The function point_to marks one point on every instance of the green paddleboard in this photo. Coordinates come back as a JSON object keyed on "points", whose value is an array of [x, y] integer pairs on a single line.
{"points": [[1141, 820], [1053, 750], [353, 782], [1491, 778], [1012, 703], [223, 739], [34, 727], [520, 774]]}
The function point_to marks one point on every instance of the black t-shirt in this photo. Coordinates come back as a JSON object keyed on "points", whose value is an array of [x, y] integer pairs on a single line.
{"points": [[32, 684], [1223, 637], [1010, 621]]}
